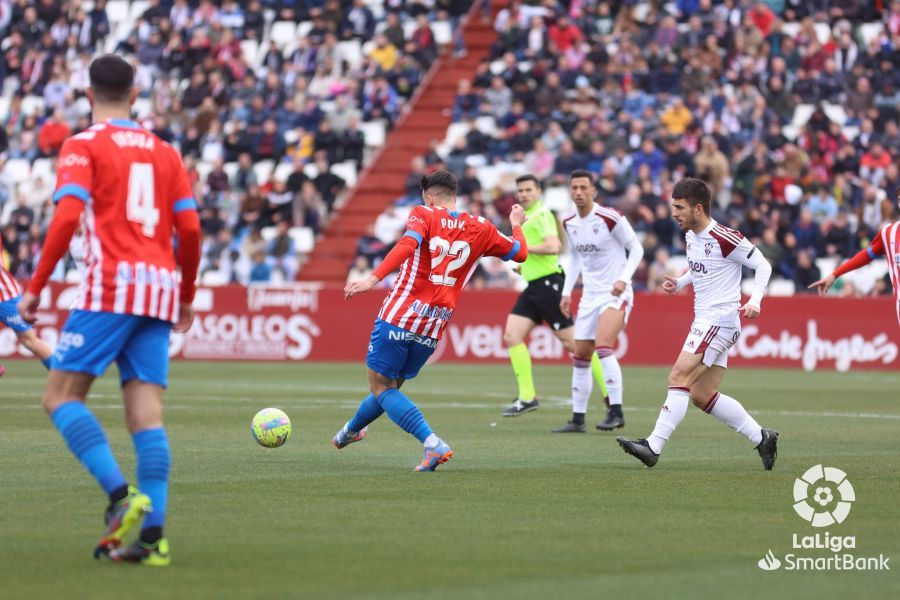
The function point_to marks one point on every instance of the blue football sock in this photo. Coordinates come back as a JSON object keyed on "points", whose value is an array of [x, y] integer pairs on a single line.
{"points": [[85, 438], [153, 460], [369, 410], [46, 362], [404, 413]]}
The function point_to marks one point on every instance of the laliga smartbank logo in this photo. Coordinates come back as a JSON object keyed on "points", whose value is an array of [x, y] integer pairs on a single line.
{"points": [[823, 497]]}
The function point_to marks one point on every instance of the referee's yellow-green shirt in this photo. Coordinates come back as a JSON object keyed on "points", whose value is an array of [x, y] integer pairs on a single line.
{"points": [[540, 224]]}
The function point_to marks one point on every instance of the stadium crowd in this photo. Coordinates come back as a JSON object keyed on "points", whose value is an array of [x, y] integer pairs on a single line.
{"points": [[269, 102], [787, 108]]}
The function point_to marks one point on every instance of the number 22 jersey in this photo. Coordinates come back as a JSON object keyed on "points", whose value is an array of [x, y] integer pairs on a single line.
{"points": [[450, 244], [129, 209]]}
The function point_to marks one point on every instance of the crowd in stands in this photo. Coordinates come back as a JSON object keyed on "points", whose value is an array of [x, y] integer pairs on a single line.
{"points": [[788, 108], [271, 102]]}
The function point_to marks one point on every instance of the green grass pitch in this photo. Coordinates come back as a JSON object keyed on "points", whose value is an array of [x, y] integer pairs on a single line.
{"points": [[517, 513]]}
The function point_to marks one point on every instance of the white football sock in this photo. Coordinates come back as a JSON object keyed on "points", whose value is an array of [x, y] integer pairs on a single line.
{"points": [[612, 372], [670, 416], [431, 441], [582, 384], [729, 411]]}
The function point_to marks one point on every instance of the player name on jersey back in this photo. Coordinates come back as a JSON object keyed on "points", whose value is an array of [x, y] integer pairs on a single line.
{"points": [[450, 244], [132, 184]]}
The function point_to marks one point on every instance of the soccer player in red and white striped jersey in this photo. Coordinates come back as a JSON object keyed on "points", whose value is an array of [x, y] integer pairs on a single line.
{"points": [[886, 244], [438, 253], [10, 294], [131, 194]]}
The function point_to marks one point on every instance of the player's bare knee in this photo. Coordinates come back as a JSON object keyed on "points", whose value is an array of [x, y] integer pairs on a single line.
{"points": [[511, 338], [679, 377]]}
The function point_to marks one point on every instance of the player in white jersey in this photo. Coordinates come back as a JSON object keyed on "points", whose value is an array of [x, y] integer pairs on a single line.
{"points": [[716, 255], [598, 239]]}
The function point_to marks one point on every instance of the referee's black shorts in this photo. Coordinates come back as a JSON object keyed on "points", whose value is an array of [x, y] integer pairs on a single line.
{"points": [[540, 302]]}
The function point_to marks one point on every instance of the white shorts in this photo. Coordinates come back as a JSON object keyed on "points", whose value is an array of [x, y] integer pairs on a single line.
{"points": [[712, 341], [591, 307]]}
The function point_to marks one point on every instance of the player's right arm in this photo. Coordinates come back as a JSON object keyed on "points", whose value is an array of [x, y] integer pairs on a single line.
{"points": [[417, 230], [572, 274], [861, 259], [748, 255], [672, 285], [515, 248], [73, 184]]}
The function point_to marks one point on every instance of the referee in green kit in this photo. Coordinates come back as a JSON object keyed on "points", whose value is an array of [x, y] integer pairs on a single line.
{"points": [[540, 300]]}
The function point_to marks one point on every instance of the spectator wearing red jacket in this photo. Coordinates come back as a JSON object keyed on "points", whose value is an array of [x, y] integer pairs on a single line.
{"points": [[564, 35], [53, 133]]}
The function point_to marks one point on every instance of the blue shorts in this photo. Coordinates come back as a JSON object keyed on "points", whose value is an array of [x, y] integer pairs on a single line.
{"points": [[397, 353], [91, 340], [9, 315]]}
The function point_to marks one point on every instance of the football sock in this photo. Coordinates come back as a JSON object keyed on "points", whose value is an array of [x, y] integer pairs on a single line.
{"points": [[46, 363], [599, 375], [612, 374], [729, 411], [369, 410], [404, 413], [521, 364], [670, 416], [151, 446], [120, 493], [150, 535], [581, 385], [578, 418], [86, 440], [431, 441]]}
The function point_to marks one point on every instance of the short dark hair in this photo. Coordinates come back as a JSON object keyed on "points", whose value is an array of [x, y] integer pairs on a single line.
{"points": [[444, 181], [528, 177], [693, 191], [112, 78], [579, 173]]}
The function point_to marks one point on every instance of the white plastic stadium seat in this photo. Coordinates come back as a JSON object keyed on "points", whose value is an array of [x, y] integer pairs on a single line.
{"points": [[117, 11], [486, 125], [137, 9], [231, 169], [250, 49], [870, 31], [556, 198], [826, 264], [374, 133], [409, 27], [835, 113], [779, 287], [303, 28], [443, 33], [268, 233], [283, 33], [4, 107], [456, 131], [283, 171], [17, 169], [791, 29], [677, 264], [43, 167], [213, 279], [345, 170], [142, 108], [311, 170], [350, 51], [303, 238], [203, 171], [823, 32], [263, 170], [489, 176], [33, 105]]}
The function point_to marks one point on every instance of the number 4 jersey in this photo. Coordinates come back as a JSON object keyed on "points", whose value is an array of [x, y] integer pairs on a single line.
{"points": [[449, 246], [130, 204]]}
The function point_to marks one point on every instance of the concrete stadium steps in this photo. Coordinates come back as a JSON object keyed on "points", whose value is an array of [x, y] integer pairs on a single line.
{"points": [[383, 180]]}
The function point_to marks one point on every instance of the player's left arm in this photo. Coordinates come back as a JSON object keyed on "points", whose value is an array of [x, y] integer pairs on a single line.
{"points": [[515, 248], [624, 234], [186, 222], [749, 256]]}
